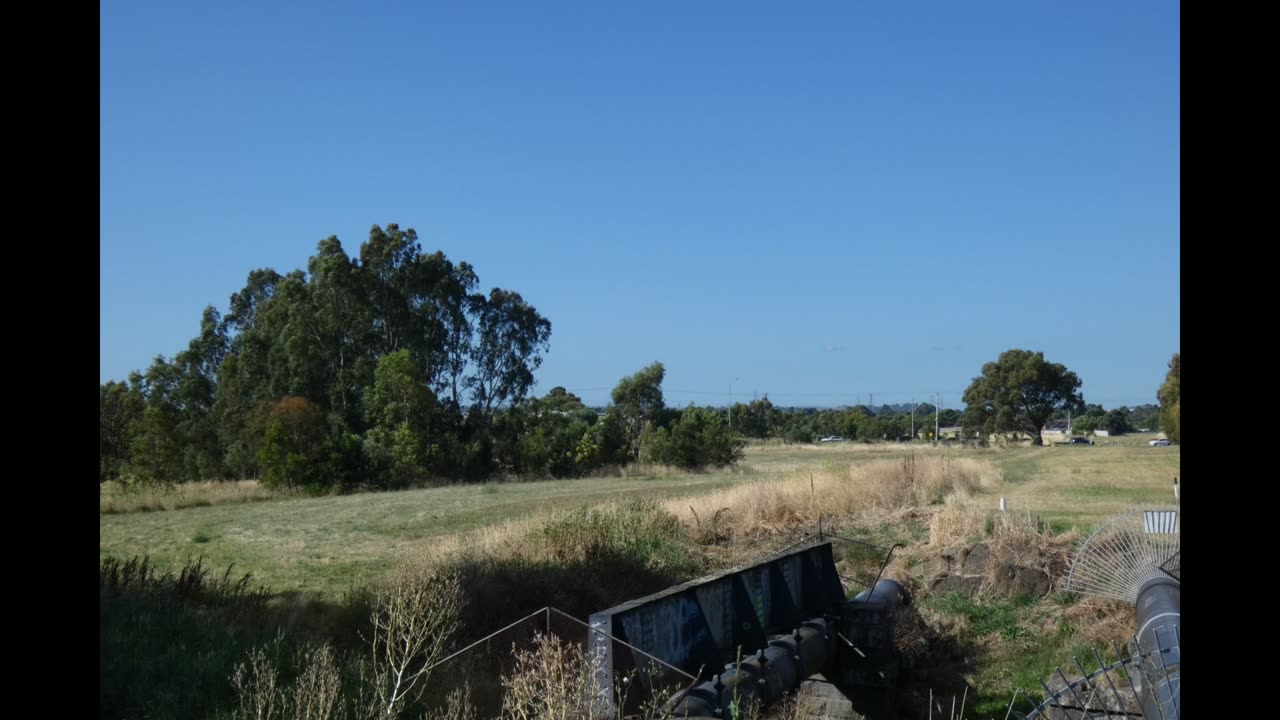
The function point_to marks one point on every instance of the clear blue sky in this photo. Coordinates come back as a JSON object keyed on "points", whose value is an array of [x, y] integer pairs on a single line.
{"points": [[819, 202]]}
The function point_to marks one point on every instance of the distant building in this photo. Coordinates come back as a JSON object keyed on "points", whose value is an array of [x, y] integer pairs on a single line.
{"points": [[1056, 431], [1009, 439]]}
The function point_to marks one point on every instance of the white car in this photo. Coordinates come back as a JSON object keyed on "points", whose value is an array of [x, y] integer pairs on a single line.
{"points": [[833, 438], [1158, 441]]}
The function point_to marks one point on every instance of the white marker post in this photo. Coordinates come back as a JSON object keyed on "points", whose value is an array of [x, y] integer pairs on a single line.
{"points": [[1003, 506]]}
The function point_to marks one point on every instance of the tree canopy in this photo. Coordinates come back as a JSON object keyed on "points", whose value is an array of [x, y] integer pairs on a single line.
{"points": [[378, 370], [638, 400], [360, 366], [1170, 396], [1020, 392]]}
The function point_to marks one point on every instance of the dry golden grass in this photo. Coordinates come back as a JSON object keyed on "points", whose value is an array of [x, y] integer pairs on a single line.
{"points": [[513, 538], [1102, 621], [956, 524], [773, 504], [650, 470], [834, 492], [557, 536], [1020, 538], [116, 497]]}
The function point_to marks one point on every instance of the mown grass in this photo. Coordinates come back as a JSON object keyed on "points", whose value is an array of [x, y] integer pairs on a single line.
{"points": [[330, 544], [1081, 486]]}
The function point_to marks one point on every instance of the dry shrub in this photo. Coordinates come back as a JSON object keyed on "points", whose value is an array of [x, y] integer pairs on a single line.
{"points": [[558, 680], [553, 680], [414, 618], [1102, 621], [261, 695], [415, 615], [802, 497], [318, 693], [508, 539], [1018, 538], [636, 528], [955, 524], [798, 706], [256, 682], [578, 561], [458, 706], [911, 634]]}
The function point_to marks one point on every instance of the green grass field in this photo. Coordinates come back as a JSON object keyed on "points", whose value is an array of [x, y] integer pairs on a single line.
{"points": [[1079, 485], [329, 544]]}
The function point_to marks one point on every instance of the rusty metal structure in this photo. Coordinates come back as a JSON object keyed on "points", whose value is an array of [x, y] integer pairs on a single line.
{"points": [[754, 633]]}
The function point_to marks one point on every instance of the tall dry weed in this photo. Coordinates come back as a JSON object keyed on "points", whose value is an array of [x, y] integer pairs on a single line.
{"points": [[834, 491]]}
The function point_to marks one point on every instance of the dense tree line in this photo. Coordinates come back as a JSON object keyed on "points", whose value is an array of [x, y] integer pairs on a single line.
{"points": [[382, 369], [761, 419], [1117, 421]]}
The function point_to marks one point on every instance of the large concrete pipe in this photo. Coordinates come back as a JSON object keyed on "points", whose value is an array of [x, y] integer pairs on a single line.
{"points": [[889, 592], [1158, 680]]}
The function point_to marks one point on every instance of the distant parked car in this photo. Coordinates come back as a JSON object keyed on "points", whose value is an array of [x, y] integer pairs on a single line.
{"points": [[1080, 441], [1158, 441], [833, 438]]}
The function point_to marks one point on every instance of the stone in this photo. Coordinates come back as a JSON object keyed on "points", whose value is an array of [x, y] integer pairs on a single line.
{"points": [[956, 583], [978, 560], [931, 568], [1016, 581]]}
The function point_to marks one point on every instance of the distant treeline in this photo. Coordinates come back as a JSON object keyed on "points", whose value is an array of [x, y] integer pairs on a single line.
{"points": [[381, 370], [761, 419]]}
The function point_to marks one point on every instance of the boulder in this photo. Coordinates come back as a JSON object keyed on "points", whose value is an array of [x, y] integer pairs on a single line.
{"points": [[977, 560], [1016, 580], [932, 568], [956, 583]]}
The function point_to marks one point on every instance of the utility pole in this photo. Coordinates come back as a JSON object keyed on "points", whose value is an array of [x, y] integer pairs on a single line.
{"points": [[913, 418], [937, 412], [731, 404]]}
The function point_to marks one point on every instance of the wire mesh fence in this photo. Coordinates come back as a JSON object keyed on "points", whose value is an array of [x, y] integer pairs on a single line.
{"points": [[549, 652], [1118, 688]]}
